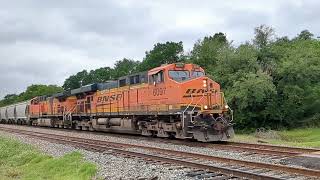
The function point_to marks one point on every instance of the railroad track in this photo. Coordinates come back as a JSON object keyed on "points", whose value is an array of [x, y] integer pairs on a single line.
{"points": [[273, 147], [204, 164], [277, 152]]}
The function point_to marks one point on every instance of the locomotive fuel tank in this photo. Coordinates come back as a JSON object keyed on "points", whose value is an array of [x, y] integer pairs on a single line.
{"points": [[44, 122], [109, 121]]}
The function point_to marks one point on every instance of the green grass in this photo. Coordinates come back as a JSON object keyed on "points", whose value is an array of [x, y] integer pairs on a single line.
{"points": [[299, 137], [22, 161]]}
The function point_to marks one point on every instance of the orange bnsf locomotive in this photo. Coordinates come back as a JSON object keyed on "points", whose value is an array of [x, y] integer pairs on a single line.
{"points": [[174, 100]]}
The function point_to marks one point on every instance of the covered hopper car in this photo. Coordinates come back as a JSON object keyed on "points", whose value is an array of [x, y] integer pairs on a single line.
{"points": [[174, 100], [15, 114]]}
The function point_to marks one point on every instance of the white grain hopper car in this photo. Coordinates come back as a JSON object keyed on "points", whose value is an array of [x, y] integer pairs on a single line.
{"points": [[16, 113]]}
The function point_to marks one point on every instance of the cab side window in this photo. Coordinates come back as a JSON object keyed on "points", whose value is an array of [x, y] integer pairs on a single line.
{"points": [[196, 74], [156, 78], [122, 82], [135, 79]]}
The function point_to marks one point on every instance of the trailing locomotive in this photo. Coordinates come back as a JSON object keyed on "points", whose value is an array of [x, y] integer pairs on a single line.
{"points": [[174, 100]]}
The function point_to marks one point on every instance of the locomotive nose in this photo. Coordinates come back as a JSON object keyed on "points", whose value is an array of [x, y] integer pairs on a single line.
{"points": [[210, 92], [212, 123]]}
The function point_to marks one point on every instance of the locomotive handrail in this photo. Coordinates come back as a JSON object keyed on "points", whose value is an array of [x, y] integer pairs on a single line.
{"points": [[197, 103], [186, 110], [195, 106], [228, 107], [68, 113]]}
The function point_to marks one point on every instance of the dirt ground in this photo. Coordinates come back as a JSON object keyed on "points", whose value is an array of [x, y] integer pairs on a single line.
{"points": [[312, 162]]}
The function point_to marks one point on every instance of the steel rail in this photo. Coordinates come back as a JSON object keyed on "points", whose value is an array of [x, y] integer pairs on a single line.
{"points": [[234, 146], [102, 148], [273, 147], [302, 171]]}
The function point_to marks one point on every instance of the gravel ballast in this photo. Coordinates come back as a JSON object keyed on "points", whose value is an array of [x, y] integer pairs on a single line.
{"points": [[201, 150], [111, 166]]}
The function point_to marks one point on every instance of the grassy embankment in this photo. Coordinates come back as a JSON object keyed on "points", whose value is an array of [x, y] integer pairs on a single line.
{"points": [[22, 161], [298, 137]]}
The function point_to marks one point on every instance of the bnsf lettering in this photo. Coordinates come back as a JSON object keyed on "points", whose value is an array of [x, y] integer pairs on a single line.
{"points": [[191, 91], [109, 98], [198, 91]]}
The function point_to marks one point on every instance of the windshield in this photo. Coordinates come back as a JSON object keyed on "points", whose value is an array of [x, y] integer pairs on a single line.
{"points": [[179, 75], [196, 74]]}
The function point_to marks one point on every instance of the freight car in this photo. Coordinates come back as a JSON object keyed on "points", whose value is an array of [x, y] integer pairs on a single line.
{"points": [[15, 114], [174, 100], [3, 115]]}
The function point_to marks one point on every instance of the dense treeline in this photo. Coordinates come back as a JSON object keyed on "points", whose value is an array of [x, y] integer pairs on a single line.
{"points": [[31, 92], [269, 81]]}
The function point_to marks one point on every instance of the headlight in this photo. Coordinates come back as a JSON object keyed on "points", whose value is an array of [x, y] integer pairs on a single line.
{"points": [[226, 106], [205, 107], [204, 83]]}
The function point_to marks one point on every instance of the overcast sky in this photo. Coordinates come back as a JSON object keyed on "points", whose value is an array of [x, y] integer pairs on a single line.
{"points": [[47, 41]]}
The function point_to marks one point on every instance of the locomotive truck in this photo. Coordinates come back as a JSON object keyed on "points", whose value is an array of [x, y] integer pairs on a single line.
{"points": [[173, 100]]}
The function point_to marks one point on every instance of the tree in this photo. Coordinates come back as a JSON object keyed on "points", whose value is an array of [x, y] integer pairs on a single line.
{"points": [[125, 67], [10, 96], [251, 97], [267, 60], [162, 53], [305, 35], [297, 79], [263, 36], [39, 90], [76, 81], [205, 51], [31, 92], [233, 64], [8, 99], [101, 75]]}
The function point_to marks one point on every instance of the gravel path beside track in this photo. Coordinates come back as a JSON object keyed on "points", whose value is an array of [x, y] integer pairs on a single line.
{"points": [[201, 150], [109, 166]]}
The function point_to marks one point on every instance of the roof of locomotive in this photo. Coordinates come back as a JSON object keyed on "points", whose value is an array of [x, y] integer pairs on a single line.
{"points": [[87, 88], [135, 78], [114, 83], [173, 66]]}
